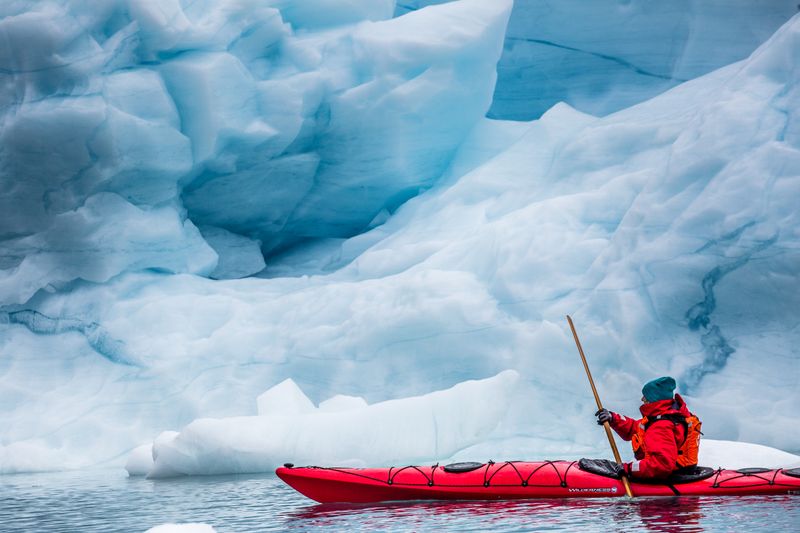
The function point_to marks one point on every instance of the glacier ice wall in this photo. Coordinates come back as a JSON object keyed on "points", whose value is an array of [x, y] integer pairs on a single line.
{"points": [[669, 230], [615, 53], [247, 126]]}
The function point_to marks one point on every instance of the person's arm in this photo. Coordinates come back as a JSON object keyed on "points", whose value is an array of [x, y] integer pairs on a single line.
{"points": [[624, 426], [662, 452]]}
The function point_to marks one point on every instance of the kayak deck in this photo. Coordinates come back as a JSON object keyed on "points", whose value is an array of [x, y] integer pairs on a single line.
{"points": [[515, 480]]}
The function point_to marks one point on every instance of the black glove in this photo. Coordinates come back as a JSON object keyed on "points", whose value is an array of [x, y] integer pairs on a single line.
{"points": [[619, 470], [603, 416]]}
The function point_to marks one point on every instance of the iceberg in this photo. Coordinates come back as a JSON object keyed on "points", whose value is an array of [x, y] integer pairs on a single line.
{"points": [[735, 455], [416, 429], [201, 200]]}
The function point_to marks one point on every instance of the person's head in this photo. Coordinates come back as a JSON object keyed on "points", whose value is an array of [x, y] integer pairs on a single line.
{"points": [[659, 389]]}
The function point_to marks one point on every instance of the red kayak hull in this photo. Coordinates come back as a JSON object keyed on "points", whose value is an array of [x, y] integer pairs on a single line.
{"points": [[509, 481]]}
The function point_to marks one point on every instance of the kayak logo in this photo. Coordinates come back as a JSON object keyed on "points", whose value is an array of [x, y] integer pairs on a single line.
{"points": [[594, 489]]}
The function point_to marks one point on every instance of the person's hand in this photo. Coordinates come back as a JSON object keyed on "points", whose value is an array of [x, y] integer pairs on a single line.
{"points": [[603, 416], [621, 469]]}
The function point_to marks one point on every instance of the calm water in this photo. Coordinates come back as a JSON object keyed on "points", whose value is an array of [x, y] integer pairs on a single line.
{"points": [[108, 501]]}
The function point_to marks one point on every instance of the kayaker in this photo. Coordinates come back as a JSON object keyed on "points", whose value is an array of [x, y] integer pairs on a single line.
{"points": [[667, 437]]}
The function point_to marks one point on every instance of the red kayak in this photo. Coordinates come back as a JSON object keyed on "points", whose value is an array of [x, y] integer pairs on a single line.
{"points": [[522, 480]]}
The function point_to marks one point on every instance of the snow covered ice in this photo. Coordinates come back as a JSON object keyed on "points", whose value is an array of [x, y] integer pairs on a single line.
{"points": [[201, 200], [410, 429]]}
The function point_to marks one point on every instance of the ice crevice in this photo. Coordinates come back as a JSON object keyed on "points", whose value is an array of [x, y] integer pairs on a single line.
{"points": [[96, 335], [716, 347], [618, 60]]}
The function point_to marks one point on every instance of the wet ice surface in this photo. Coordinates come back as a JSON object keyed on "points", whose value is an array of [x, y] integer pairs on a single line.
{"points": [[108, 501]]}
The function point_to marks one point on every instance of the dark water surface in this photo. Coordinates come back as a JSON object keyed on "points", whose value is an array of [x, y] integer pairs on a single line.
{"points": [[108, 501]]}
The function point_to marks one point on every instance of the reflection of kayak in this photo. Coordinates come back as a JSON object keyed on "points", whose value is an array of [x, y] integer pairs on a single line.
{"points": [[521, 480]]}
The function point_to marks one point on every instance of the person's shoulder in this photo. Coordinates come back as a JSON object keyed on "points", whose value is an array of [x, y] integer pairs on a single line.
{"points": [[682, 407]]}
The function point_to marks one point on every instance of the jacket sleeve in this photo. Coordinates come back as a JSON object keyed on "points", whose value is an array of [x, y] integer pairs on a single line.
{"points": [[662, 452], [624, 426]]}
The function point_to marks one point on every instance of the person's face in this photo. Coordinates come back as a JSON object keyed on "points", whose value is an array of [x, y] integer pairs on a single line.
{"points": [[644, 400]]}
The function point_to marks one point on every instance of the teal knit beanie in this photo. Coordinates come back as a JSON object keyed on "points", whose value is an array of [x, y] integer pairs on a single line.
{"points": [[659, 389]]}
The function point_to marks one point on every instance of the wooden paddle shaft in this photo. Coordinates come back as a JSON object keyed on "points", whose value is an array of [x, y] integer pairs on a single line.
{"points": [[606, 425]]}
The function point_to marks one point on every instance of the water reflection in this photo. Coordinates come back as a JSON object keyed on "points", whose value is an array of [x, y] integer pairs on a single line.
{"points": [[108, 502], [662, 515]]}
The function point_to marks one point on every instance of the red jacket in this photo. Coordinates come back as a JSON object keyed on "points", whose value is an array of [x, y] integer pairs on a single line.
{"points": [[662, 438]]}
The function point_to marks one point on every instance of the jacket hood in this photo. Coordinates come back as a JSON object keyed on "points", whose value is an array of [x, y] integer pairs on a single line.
{"points": [[661, 407]]}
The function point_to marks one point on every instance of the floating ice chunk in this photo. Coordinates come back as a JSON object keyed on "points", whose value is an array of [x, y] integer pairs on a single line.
{"points": [[164, 439], [342, 402], [140, 460], [733, 455], [284, 399], [713, 453], [32, 455], [413, 429]]}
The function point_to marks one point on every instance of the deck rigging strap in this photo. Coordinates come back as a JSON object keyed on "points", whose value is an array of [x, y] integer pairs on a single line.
{"points": [[429, 479]]}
